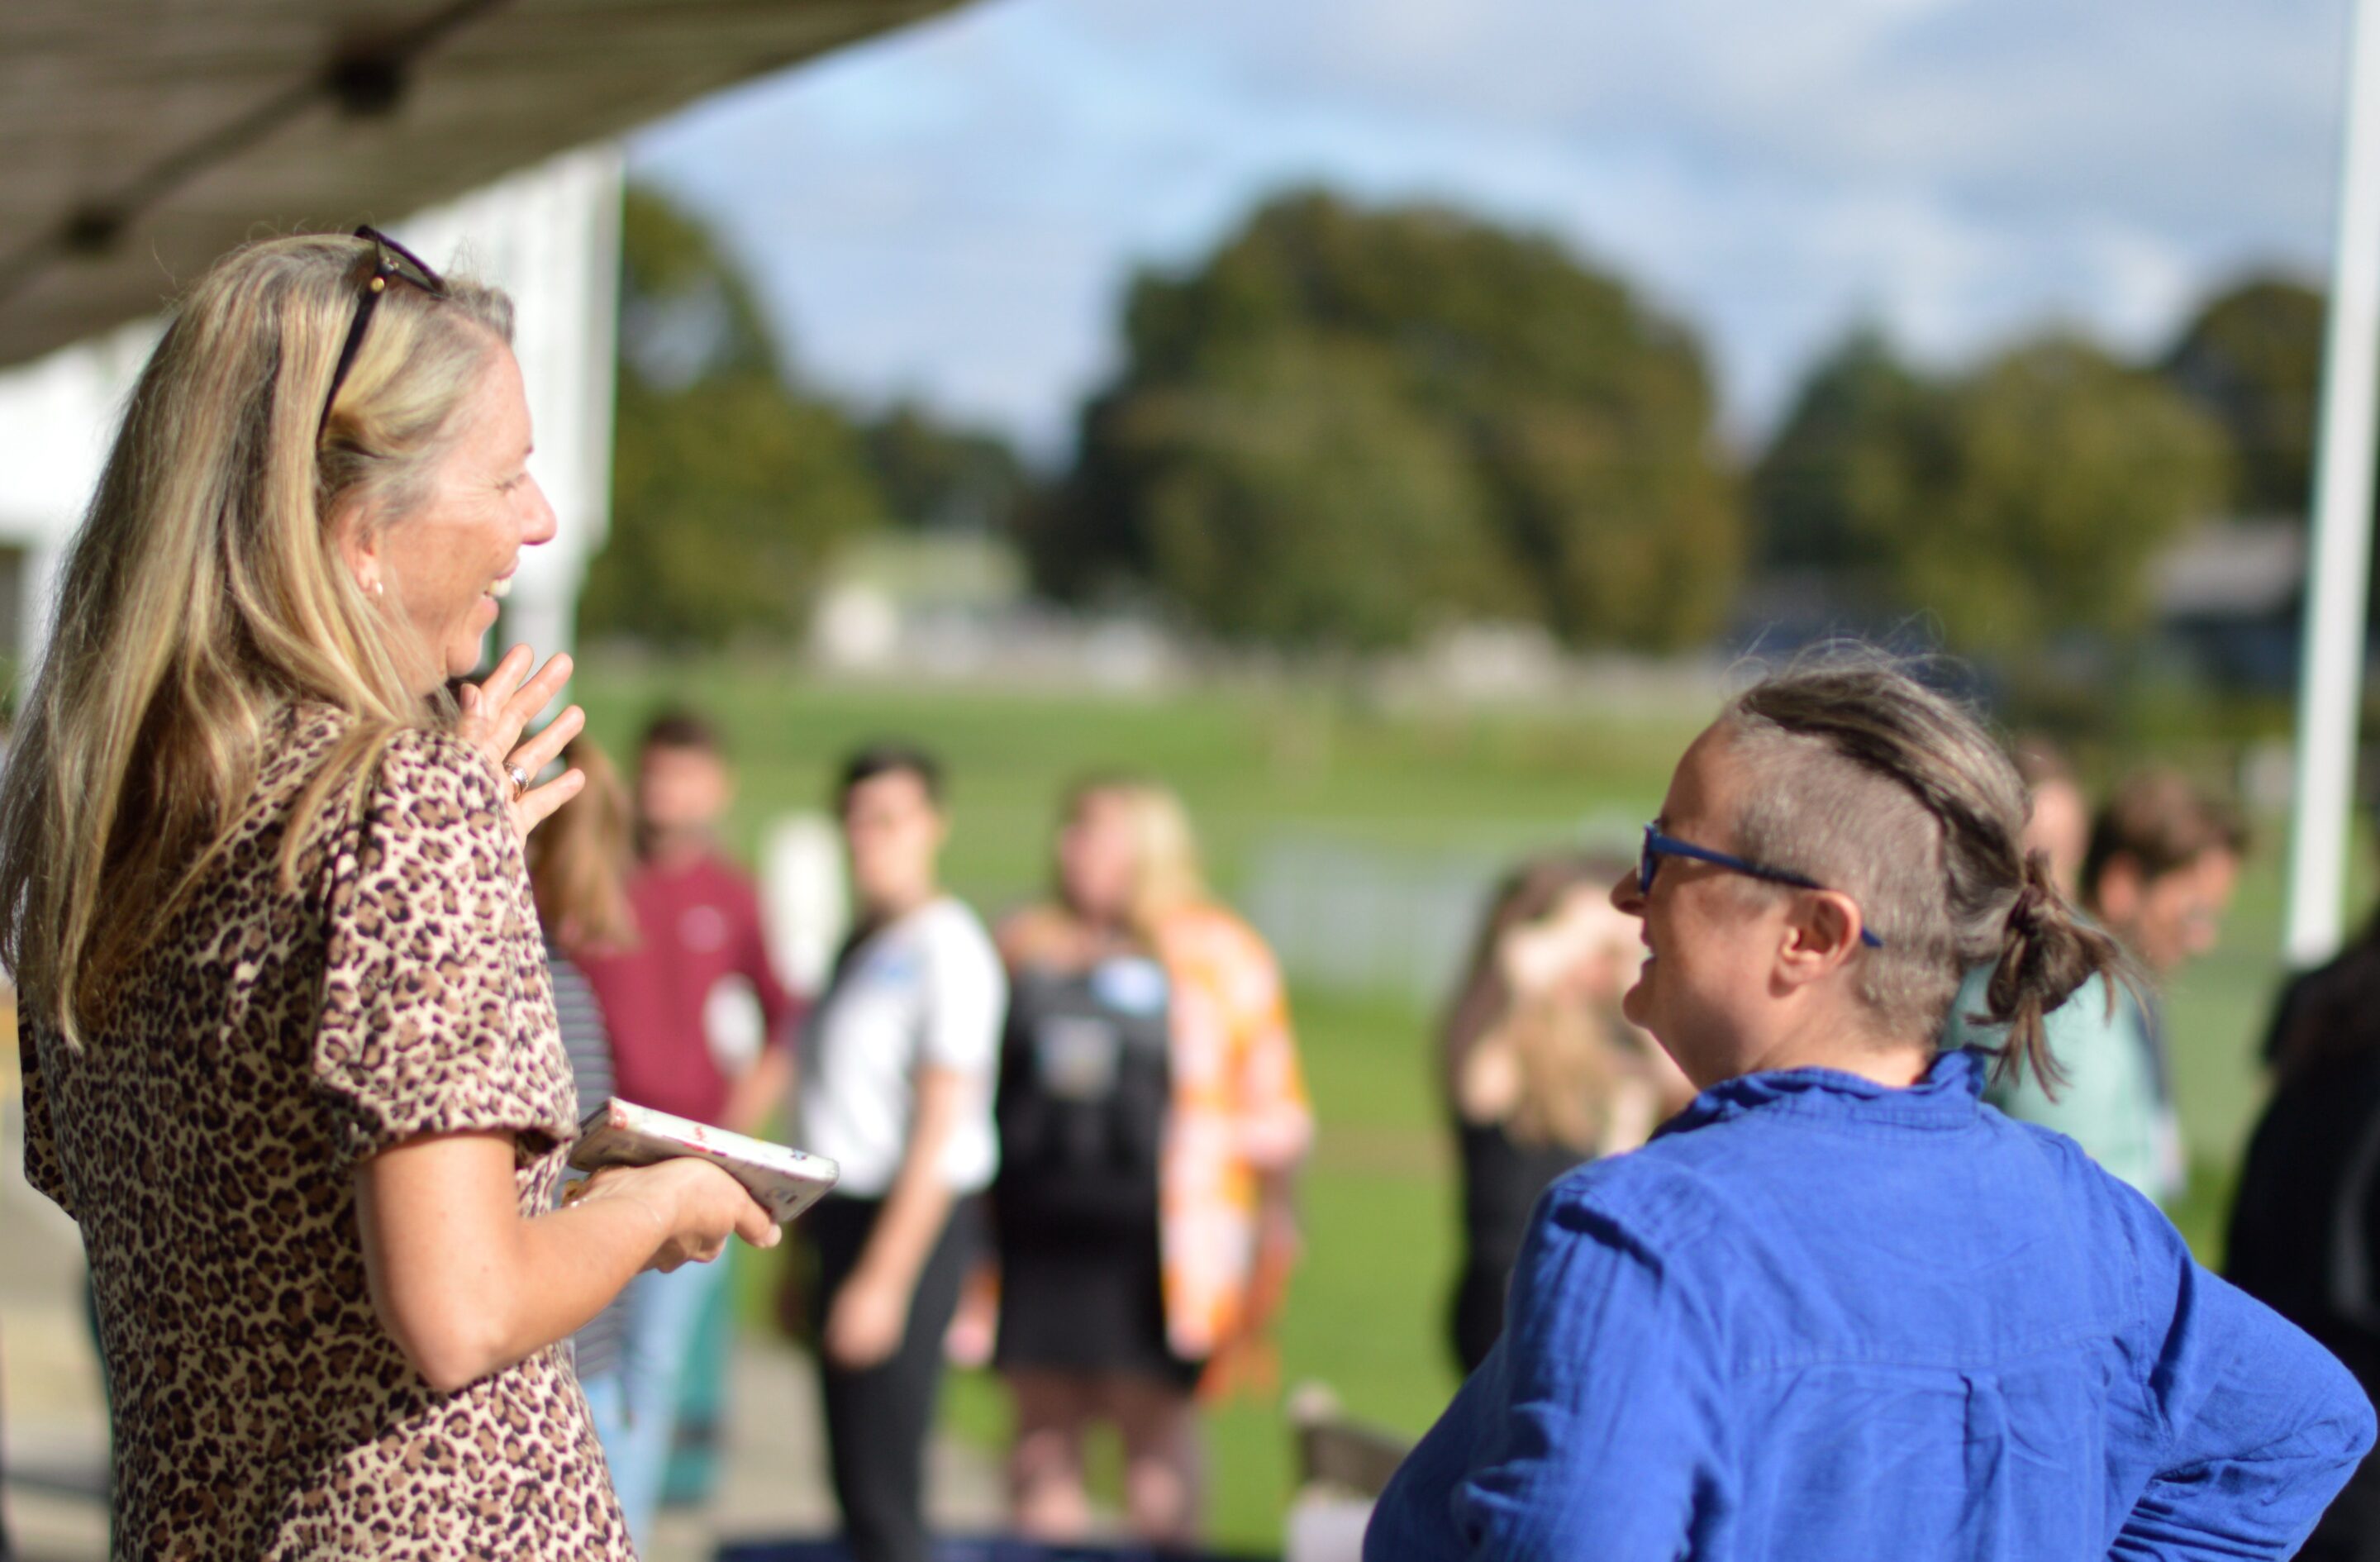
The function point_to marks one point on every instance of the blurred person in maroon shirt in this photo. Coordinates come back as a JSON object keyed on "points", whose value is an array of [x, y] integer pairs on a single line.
{"points": [[698, 919]]}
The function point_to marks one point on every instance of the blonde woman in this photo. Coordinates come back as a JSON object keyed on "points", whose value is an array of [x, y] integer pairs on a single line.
{"points": [[293, 1064], [578, 863], [1153, 1113], [1542, 1070]]}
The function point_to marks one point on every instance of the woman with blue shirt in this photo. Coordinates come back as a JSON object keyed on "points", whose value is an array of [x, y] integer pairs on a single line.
{"points": [[1841, 1309]]}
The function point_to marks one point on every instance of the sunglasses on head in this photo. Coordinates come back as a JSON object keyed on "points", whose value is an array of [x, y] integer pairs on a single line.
{"points": [[389, 261], [1657, 846]]}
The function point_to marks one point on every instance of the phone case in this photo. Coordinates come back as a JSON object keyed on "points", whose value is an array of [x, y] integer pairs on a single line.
{"points": [[620, 1133]]}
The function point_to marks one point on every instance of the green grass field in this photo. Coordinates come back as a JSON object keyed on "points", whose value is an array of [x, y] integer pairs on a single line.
{"points": [[1365, 1315]]}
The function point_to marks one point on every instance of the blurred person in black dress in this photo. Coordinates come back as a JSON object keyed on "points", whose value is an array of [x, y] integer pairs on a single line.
{"points": [[2305, 1226], [1540, 1070], [1152, 1116]]}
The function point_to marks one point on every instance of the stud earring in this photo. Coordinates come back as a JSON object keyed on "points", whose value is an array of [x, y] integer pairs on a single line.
{"points": [[374, 588]]}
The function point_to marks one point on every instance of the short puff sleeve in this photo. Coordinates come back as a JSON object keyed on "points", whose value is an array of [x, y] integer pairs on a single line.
{"points": [[437, 1010]]}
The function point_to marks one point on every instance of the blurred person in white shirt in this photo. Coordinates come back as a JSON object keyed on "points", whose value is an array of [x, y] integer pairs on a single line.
{"points": [[896, 1073]]}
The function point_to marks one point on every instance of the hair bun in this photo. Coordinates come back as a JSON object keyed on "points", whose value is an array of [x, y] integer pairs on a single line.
{"points": [[2037, 898]]}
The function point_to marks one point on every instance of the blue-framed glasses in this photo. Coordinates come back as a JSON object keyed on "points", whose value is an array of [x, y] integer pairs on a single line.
{"points": [[1657, 846]]}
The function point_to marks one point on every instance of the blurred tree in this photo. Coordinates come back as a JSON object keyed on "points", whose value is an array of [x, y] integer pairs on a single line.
{"points": [[1861, 455], [2068, 471], [1297, 499], [1348, 425], [2020, 502], [2252, 359], [935, 476], [728, 488]]}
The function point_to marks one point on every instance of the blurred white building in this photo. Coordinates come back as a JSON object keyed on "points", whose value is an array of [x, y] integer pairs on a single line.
{"points": [[549, 236], [145, 141]]}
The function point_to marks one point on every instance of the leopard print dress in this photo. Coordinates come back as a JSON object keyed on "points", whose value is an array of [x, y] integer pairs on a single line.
{"points": [[205, 1140]]}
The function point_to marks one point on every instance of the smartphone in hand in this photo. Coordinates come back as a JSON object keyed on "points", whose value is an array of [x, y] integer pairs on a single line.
{"points": [[619, 1133]]}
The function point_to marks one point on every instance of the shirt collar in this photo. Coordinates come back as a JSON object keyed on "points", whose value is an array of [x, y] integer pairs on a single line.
{"points": [[1946, 1098]]}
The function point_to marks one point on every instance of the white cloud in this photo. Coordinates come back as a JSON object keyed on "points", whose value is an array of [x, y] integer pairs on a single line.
{"points": [[954, 211]]}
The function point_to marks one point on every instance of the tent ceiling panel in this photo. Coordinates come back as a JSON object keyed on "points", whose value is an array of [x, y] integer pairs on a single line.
{"points": [[138, 138]]}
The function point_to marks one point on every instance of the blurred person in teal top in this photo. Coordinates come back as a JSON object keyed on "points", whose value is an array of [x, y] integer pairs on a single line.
{"points": [[1839, 1308], [2163, 859]]}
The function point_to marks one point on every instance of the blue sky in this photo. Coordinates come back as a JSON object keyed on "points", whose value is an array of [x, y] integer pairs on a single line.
{"points": [[952, 212]]}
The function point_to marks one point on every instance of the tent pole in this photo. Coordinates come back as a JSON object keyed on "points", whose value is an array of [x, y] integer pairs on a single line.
{"points": [[2337, 561]]}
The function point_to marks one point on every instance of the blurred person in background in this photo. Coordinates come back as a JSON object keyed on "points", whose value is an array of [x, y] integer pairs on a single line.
{"points": [[2304, 1234], [2163, 860], [578, 867], [292, 1059], [698, 919], [2060, 821], [1838, 1307], [1541, 1070], [1152, 1115], [8, 1023], [897, 1064], [8, 1003]]}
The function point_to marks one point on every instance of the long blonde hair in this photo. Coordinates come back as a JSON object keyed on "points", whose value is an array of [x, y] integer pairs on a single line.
{"points": [[1575, 1060], [579, 861], [205, 591], [1166, 875]]}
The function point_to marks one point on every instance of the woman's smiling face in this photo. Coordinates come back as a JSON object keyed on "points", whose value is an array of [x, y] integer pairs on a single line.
{"points": [[1711, 940], [441, 570]]}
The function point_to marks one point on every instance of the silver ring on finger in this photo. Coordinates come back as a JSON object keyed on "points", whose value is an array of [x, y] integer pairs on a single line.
{"points": [[520, 778]]}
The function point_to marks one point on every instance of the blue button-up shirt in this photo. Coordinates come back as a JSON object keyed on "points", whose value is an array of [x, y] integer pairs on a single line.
{"points": [[1819, 1318]]}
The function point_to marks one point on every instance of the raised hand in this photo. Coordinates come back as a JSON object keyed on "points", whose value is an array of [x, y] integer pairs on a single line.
{"points": [[496, 710]]}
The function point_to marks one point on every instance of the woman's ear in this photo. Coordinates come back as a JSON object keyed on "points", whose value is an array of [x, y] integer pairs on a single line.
{"points": [[1822, 933], [359, 544]]}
